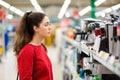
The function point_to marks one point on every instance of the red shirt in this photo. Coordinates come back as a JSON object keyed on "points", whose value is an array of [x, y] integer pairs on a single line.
{"points": [[34, 64]]}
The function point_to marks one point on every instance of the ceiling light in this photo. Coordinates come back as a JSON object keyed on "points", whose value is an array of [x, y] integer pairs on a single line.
{"points": [[107, 10], [12, 8], [88, 8], [64, 8], [85, 10], [98, 14], [17, 11], [36, 6], [3, 3], [98, 2], [116, 7], [103, 14]]}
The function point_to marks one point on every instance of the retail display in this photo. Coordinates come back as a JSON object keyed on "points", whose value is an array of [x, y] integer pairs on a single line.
{"points": [[96, 59], [84, 41]]}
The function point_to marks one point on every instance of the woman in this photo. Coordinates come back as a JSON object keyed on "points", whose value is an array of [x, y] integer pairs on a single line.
{"points": [[33, 62]]}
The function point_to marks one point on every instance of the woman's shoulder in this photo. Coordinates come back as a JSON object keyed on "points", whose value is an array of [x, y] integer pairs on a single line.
{"points": [[26, 53], [27, 49]]}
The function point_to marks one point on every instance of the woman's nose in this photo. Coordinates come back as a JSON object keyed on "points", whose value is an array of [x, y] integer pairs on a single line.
{"points": [[49, 27]]}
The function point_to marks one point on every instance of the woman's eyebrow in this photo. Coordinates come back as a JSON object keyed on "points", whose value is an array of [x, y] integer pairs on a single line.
{"points": [[48, 22]]}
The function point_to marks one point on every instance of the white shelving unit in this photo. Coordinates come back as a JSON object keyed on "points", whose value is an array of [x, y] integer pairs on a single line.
{"points": [[73, 72], [85, 50], [73, 42], [77, 44], [112, 67]]}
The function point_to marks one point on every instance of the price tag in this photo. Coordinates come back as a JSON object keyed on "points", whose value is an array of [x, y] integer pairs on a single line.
{"points": [[102, 54]]}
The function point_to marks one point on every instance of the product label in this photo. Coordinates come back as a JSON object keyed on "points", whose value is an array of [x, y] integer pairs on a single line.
{"points": [[102, 54]]}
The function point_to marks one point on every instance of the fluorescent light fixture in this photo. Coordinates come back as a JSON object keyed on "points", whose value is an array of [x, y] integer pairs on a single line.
{"points": [[98, 14], [64, 8], [12, 8], [98, 2], [36, 6], [116, 7], [103, 14], [3, 3], [85, 10], [107, 10], [88, 8], [17, 11]]}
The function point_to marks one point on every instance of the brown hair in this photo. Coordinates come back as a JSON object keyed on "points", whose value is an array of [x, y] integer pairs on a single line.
{"points": [[25, 32]]}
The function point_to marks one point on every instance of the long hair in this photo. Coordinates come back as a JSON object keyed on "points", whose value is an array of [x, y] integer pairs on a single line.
{"points": [[25, 31]]}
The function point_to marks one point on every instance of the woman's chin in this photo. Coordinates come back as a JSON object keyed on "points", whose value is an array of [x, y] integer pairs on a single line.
{"points": [[48, 36]]}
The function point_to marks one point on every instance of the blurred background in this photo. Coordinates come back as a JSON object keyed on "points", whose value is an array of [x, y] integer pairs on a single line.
{"points": [[69, 18]]}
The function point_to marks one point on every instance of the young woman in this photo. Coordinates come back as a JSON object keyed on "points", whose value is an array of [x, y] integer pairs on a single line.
{"points": [[32, 59]]}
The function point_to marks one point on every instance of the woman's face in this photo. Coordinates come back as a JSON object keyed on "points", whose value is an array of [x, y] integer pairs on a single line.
{"points": [[44, 28]]}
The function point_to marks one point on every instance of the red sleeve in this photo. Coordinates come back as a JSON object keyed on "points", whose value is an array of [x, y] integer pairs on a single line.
{"points": [[25, 63]]}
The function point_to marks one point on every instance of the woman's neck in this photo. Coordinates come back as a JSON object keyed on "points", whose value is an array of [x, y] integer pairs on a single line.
{"points": [[36, 40]]}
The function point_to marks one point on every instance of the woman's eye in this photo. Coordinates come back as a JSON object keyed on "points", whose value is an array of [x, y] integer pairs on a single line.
{"points": [[47, 24]]}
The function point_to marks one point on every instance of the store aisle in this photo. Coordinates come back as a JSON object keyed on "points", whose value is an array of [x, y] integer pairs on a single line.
{"points": [[8, 70], [57, 70], [1, 72]]}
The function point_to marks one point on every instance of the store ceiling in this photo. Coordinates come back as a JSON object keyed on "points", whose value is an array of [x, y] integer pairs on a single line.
{"points": [[52, 7]]}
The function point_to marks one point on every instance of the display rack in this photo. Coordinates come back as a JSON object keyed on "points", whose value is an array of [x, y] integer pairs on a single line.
{"points": [[85, 49], [72, 42], [115, 67], [77, 44], [73, 72]]}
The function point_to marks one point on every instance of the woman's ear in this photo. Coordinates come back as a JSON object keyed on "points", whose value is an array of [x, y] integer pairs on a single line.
{"points": [[35, 28]]}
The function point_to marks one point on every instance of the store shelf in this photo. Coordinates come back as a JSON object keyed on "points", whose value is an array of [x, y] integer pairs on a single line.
{"points": [[114, 68], [85, 50], [71, 68], [72, 42], [73, 72]]}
